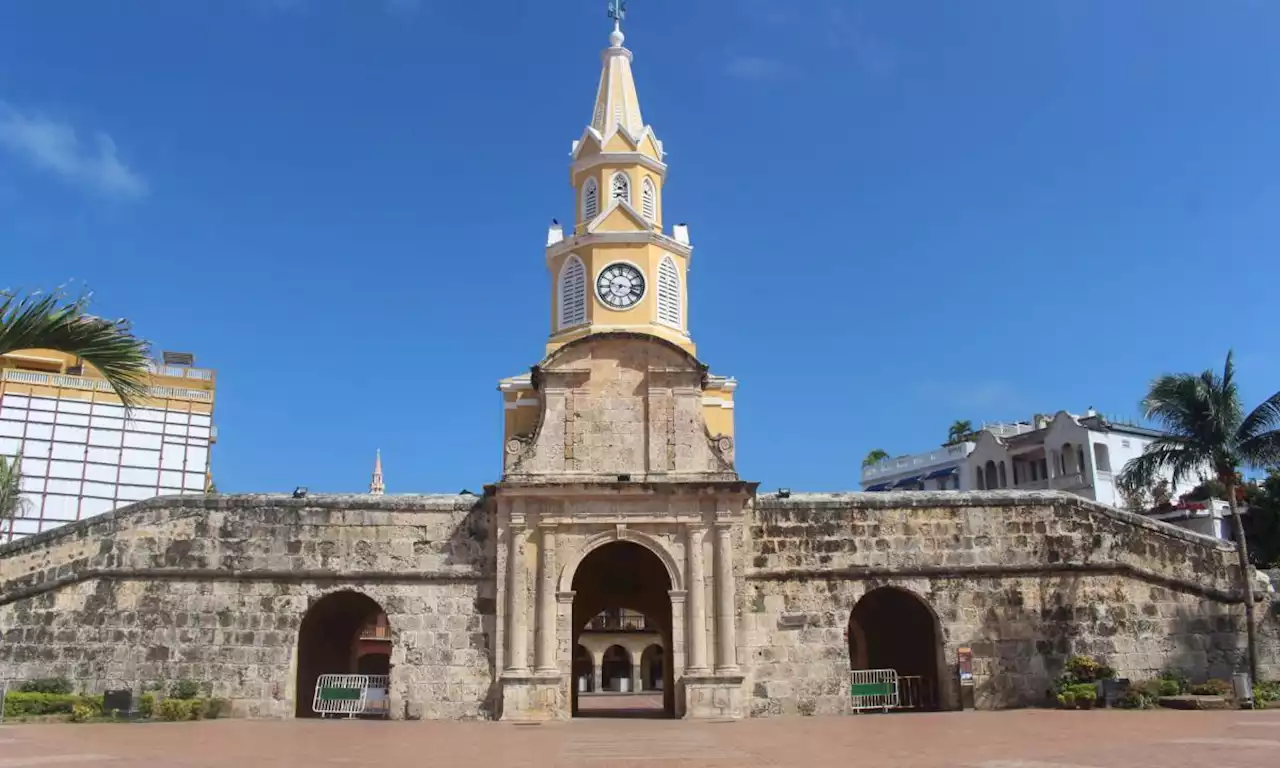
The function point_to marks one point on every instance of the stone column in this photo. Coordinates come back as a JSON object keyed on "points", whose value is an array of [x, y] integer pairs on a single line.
{"points": [[597, 668], [726, 634], [546, 650], [637, 672], [517, 630], [697, 601]]}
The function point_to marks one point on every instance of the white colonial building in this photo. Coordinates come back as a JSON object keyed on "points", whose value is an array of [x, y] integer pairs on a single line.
{"points": [[1078, 454]]}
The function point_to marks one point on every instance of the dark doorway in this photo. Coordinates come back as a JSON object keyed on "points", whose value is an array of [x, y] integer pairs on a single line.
{"points": [[615, 672], [891, 628], [584, 670], [329, 643], [627, 576], [651, 668]]}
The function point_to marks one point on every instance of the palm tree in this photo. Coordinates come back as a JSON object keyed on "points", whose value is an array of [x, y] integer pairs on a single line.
{"points": [[48, 321], [1206, 428], [11, 501], [959, 431], [875, 457]]}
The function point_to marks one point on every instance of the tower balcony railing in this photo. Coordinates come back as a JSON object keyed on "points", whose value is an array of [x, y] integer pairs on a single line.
{"points": [[620, 624]]}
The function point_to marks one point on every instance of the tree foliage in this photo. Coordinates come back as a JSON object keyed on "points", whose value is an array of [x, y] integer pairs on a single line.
{"points": [[11, 501], [959, 431], [52, 321], [874, 457], [1206, 428]]}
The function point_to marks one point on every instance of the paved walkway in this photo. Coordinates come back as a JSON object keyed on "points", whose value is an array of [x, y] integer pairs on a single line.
{"points": [[1022, 739]]}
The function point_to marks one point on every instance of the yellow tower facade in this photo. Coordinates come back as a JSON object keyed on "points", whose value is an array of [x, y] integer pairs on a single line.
{"points": [[619, 268]]}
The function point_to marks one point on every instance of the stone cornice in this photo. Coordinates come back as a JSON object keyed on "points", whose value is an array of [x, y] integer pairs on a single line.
{"points": [[977, 499], [214, 574], [889, 574], [189, 506]]}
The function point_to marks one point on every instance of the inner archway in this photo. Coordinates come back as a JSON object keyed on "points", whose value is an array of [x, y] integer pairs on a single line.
{"points": [[891, 628], [651, 666], [343, 633], [622, 599]]}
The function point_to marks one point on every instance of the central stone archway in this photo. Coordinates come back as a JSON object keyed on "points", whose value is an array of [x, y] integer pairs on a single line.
{"points": [[629, 576]]}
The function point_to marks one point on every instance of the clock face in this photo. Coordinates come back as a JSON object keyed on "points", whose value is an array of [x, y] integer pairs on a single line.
{"points": [[620, 286]]}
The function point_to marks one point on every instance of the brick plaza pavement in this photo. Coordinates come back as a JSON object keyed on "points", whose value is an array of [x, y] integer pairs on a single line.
{"points": [[1019, 739]]}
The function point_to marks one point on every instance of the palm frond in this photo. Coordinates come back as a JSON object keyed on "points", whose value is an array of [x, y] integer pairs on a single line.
{"points": [[1264, 418], [1179, 403], [46, 322], [11, 501], [1261, 450], [1180, 460]]}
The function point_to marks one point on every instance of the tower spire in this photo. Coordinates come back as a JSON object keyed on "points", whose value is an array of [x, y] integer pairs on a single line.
{"points": [[617, 104], [376, 486]]}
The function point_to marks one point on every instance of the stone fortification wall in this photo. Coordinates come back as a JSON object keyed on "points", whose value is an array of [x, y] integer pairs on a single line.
{"points": [[1023, 579], [214, 589]]}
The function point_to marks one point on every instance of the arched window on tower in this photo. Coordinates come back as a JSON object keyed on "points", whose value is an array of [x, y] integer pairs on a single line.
{"points": [[573, 293], [621, 188], [669, 293], [590, 200], [649, 200]]}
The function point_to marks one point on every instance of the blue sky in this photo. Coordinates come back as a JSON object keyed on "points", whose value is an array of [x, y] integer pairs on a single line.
{"points": [[904, 213]]}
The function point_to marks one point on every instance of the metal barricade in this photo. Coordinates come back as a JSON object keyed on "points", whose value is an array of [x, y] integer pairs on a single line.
{"points": [[377, 695], [911, 692], [340, 695], [874, 689]]}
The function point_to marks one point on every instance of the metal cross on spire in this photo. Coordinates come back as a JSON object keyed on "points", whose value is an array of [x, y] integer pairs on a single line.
{"points": [[617, 11]]}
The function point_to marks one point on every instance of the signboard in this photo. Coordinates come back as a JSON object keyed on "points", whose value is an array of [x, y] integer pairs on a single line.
{"points": [[964, 662]]}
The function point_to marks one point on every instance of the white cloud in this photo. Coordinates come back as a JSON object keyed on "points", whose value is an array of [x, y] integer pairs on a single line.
{"points": [[754, 67], [54, 147]]}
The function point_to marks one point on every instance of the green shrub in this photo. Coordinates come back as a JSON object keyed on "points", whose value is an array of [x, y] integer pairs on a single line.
{"points": [[1082, 669], [1169, 687], [1212, 688], [146, 705], [1137, 698], [1078, 696], [185, 689], [173, 710], [1179, 680], [60, 686], [39, 704], [1265, 693], [81, 712], [216, 708]]}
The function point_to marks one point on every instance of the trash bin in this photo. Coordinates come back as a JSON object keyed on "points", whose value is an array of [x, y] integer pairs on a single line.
{"points": [[1244, 688], [624, 685]]}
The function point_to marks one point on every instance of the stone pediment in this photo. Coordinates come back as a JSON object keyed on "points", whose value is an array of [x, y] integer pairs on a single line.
{"points": [[619, 404]]}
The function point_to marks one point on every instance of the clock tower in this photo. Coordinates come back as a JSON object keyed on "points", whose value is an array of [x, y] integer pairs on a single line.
{"points": [[619, 268], [619, 490]]}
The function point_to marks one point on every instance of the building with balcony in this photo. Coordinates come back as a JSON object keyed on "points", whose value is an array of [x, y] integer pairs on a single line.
{"points": [[619, 651], [82, 455], [1065, 452]]}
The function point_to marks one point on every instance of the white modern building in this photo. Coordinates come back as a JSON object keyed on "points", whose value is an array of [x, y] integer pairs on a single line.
{"points": [[1078, 454], [82, 455]]}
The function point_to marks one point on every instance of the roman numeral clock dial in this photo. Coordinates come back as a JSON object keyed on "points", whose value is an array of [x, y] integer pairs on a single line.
{"points": [[620, 286]]}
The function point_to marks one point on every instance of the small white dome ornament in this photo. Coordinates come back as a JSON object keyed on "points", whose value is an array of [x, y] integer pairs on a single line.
{"points": [[616, 38]]}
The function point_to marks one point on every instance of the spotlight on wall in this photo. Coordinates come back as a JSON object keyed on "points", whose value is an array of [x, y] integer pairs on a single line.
{"points": [[784, 493], [300, 492]]}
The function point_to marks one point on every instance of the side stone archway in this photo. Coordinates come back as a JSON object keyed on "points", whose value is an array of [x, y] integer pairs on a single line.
{"points": [[892, 628], [342, 633]]}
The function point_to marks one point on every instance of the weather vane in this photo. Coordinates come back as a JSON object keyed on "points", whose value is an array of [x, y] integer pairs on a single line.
{"points": [[618, 11]]}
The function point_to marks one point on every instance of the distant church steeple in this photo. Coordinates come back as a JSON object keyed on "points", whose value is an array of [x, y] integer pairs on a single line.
{"points": [[376, 486]]}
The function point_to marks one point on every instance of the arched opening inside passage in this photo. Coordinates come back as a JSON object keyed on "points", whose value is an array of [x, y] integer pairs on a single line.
{"points": [[651, 663], [344, 633], [621, 579], [615, 670], [584, 670], [892, 628]]}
